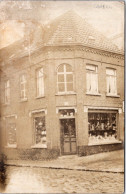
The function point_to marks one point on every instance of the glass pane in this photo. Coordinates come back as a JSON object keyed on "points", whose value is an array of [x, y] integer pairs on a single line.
{"points": [[102, 127], [68, 68], [40, 130], [61, 68], [61, 78], [12, 133], [40, 72], [69, 87], [91, 67], [61, 87], [69, 77], [110, 72]]}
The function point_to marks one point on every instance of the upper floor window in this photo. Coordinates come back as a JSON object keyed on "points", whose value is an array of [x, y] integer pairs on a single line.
{"points": [[111, 81], [65, 79], [92, 79], [7, 92], [40, 82], [23, 83]]}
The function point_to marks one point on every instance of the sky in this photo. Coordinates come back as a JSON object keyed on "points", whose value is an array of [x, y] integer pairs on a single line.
{"points": [[105, 16]]}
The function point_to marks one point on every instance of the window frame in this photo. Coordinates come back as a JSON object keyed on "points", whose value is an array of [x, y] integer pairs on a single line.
{"points": [[65, 82], [7, 92], [24, 83], [115, 77], [88, 71], [37, 82]]}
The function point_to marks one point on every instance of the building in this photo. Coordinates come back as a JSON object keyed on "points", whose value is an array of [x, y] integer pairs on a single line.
{"points": [[63, 93]]}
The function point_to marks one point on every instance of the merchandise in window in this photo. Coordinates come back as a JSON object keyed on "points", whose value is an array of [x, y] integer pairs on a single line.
{"points": [[40, 131], [111, 81], [92, 79], [65, 78], [11, 132], [102, 127]]}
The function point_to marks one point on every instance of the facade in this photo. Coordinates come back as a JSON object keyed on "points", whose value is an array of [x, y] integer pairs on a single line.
{"points": [[64, 95]]}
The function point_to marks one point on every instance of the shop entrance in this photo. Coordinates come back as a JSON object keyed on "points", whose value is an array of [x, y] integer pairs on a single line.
{"points": [[68, 136]]}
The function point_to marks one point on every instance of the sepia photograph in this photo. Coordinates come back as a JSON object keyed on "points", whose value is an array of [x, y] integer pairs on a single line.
{"points": [[62, 96]]}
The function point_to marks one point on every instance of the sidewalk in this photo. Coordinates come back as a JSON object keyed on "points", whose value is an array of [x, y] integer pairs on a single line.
{"points": [[102, 162]]}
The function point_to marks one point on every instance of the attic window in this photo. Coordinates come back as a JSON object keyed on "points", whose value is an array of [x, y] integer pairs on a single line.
{"points": [[91, 39]]}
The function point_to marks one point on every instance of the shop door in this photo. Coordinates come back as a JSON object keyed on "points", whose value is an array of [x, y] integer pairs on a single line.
{"points": [[68, 136]]}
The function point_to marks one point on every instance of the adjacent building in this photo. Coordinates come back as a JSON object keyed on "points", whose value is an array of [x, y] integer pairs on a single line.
{"points": [[62, 92]]}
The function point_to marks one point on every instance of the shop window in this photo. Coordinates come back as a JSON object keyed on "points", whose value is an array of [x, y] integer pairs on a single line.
{"points": [[11, 131], [7, 92], [40, 131], [65, 79], [40, 83], [102, 127], [111, 81], [92, 79], [23, 84]]}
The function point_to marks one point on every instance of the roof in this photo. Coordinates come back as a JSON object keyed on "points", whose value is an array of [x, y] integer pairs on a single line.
{"points": [[70, 29], [67, 29]]}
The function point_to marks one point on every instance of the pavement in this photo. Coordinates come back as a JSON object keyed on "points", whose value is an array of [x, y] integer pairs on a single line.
{"points": [[102, 162]]}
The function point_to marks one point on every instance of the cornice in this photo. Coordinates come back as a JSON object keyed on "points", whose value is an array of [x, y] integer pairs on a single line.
{"points": [[73, 48]]}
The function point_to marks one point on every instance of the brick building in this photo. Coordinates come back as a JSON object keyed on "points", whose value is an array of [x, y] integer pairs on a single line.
{"points": [[62, 91]]}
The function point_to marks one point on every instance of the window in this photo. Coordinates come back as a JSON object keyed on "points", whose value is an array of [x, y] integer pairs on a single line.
{"points": [[102, 127], [111, 81], [92, 79], [40, 83], [65, 79], [11, 131], [40, 130], [7, 92], [23, 83]]}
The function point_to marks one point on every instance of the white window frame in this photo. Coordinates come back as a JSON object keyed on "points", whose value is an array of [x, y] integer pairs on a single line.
{"points": [[7, 92], [40, 83], [108, 76], [23, 84], [64, 73], [91, 73]]}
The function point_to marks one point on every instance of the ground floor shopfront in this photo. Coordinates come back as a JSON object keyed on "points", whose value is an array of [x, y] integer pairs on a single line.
{"points": [[101, 129]]}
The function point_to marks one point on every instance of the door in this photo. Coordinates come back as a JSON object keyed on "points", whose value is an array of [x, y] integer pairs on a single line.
{"points": [[68, 136]]}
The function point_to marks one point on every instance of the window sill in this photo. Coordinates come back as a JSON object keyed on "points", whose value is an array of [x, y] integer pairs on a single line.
{"points": [[93, 94], [103, 143], [39, 146], [24, 100], [11, 146], [65, 93], [112, 95], [40, 97]]}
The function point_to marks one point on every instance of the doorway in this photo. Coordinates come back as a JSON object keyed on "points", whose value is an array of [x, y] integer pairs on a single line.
{"points": [[68, 136]]}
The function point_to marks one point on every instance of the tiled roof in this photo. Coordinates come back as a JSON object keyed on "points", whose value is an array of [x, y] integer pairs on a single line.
{"points": [[71, 29]]}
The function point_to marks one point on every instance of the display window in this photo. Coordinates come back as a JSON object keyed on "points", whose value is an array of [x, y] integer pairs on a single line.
{"points": [[40, 131], [11, 131], [102, 127]]}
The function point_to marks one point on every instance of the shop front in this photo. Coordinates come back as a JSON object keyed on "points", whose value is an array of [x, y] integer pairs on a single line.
{"points": [[103, 127]]}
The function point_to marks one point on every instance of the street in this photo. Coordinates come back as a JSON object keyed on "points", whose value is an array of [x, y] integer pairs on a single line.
{"points": [[45, 180]]}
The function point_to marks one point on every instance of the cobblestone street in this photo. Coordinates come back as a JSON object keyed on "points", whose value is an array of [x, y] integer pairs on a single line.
{"points": [[40, 180]]}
